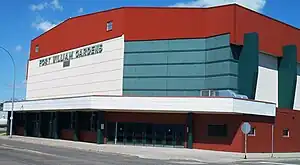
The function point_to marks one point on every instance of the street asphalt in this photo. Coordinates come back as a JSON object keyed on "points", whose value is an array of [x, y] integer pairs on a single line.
{"points": [[20, 153]]}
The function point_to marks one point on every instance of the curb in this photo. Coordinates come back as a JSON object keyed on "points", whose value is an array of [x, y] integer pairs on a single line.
{"points": [[91, 147]]}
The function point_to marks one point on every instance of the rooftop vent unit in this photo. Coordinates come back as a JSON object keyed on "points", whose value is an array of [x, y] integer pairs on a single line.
{"points": [[230, 93], [208, 93]]}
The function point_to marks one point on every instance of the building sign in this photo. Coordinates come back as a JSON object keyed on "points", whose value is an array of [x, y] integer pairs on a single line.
{"points": [[74, 54]]}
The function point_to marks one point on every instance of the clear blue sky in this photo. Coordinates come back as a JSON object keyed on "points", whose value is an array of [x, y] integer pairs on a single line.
{"points": [[23, 20]]}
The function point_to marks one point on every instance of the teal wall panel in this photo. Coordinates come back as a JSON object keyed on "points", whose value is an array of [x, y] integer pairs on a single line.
{"points": [[145, 70], [187, 44], [145, 46], [287, 77], [183, 93], [186, 70], [221, 82], [248, 66], [187, 57], [185, 83], [226, 67], [180, 67], [209, 69], [146, 58], [234, 67], [144, 93], [221, 54], [217, 41], [145, 83], [298, 69], [201, 56], [161, 93]]}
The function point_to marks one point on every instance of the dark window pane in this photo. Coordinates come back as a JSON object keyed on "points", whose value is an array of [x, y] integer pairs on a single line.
{"points": [[252, 132], [286, 132], [217, 130]]}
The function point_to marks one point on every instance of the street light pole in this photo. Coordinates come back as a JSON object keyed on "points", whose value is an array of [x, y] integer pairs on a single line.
{"points": [[13, 92]]}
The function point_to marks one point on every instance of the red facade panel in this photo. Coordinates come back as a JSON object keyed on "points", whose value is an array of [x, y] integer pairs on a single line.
{"points": [[77, 32], [287, 119], [234, 142], [273, 35], [162, 23], [219, 20], [262, 141], [167, 23], [88, 136], [67, 134], [172, 23]]}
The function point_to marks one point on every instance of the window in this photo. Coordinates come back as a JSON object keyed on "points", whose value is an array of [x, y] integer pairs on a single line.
{"points": [[37, 48], [286, 132], [217, 130], [252, 131], [109, 26]]}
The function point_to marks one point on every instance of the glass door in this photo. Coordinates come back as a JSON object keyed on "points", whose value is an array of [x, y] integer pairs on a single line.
{"points": [[179, 135], [111, 127], [159, 134], [149, 134], [139, 133], [129, 127], [169, 131]]}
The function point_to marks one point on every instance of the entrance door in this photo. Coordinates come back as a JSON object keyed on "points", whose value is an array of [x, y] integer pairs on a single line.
{"points": [[179, 135], [36, 125], [146, 134], [159, 134], [129, 133], [169, 131], [111, 129], [139, 134], [46, 124], [149, 134]]}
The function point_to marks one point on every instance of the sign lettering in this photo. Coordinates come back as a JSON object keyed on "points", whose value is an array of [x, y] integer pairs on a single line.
{"points": [[71, 55]]}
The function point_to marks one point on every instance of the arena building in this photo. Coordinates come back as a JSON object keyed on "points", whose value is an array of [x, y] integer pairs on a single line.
{"points": [[174, 77]]}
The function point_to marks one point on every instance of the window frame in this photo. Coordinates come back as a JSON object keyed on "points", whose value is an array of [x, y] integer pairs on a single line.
{"points": [[109, 26], [37, 48], [254, 131], [288, 132]]}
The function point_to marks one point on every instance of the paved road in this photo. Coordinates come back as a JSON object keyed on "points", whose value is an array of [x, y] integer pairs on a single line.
{"points": [[20, 153]]}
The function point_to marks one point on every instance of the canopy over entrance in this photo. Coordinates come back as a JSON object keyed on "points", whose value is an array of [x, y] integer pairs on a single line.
{"points": [[148, 104]]}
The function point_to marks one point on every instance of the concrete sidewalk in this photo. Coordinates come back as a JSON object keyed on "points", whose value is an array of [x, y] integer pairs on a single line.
{"points": [[156, 152]]}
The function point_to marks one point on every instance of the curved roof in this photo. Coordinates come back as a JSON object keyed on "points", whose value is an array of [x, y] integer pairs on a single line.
{"points": [[156, 23]]}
